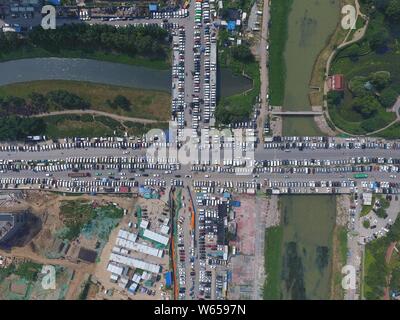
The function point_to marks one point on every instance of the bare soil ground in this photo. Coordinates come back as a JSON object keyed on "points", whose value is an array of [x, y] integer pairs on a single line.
{"points": [[46, 205]]}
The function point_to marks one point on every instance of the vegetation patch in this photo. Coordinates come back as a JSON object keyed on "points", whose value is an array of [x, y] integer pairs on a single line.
{"points": [[75, 214], [371, 69], [240, 60], [37, 97], [376, 270], [278, 34], [273, 244], [28, 270], [147, 45]]}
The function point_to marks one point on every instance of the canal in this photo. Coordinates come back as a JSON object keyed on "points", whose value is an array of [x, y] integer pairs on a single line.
{"points": [[96, 71], [310, 24], [307, 221]]}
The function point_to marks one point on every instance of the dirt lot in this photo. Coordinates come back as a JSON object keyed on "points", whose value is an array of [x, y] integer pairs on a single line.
{"points": [[46, 206]]}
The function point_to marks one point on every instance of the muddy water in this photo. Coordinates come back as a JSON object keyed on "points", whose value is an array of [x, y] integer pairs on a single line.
{"points": [[308, 223], [311, 22]]}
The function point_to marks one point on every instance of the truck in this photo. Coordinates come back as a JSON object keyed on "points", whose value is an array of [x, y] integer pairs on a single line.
{"points": [[360, 176], [79, 174]]}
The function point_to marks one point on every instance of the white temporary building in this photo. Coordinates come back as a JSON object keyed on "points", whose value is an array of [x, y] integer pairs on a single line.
{"points": [[127, 235], [136, 278], [135, 263], [164, 229], [144, 224], [137, 247], [155, 237], [115, 269]]}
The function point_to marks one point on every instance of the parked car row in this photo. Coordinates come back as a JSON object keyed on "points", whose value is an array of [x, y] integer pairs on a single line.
{"points": [[181, 13], [75, 185], [327, 143], [210, 66], [178, 80]]}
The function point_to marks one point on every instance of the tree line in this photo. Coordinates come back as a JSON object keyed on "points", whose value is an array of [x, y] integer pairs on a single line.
{"points": [[37, 103], [147, 41]]}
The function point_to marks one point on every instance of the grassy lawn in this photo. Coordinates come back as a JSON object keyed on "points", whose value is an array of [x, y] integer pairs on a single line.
{"points": [[273, 245], [390, 133], [137, 129], [26, 53], [147, 104], [73, 125], [57, 127], [278, 35]]}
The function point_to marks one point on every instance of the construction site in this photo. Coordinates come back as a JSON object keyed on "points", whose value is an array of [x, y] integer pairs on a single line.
{"points": [[70, 234]]}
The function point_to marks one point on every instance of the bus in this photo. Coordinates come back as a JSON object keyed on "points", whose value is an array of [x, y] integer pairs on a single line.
{"points": [[360, 176]]}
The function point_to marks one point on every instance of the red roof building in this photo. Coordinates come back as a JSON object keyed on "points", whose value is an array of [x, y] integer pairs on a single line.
{"points": [[123, 189], [336, 82]]}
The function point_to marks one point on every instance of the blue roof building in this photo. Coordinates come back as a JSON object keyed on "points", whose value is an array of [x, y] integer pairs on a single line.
{"points": [[231, 25], [153, 7], [168, 279]]}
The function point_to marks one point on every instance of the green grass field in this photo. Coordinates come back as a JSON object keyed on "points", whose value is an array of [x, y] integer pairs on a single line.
{"points": [[272, 254], [146, 104], [390, 133], [73, 125], [277, 38]]}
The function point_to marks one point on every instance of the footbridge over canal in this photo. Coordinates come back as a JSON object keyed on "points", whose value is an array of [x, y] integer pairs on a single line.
{"points": [[279, 111]]}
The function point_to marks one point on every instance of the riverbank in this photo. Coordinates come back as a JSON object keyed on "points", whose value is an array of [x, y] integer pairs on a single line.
{"points": [[339, 246], [319, 69], [30, 53], [278, 36], [146, 104], [272, 263], [148, 46]]}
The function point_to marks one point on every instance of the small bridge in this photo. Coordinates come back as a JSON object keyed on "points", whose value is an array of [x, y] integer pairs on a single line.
{"points": [[297, 113], [316, 111]]}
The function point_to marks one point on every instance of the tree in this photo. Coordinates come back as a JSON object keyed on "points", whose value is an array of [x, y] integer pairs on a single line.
{"points": [[366, 105], [357, 86], [242, 53], [334, 98], [38, 103], [380, 80], [379, 39], [393, 11], [388, 97], [122, 102], [353, 52], [67, 100]]}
